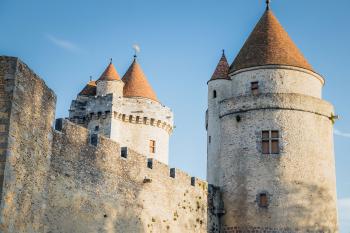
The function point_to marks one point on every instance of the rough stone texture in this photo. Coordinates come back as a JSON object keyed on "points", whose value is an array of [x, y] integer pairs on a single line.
{"points": [[277, 79], [58, 182], [28, 151], [300, 180], [110, 87], [94, 189], [132, 122]]}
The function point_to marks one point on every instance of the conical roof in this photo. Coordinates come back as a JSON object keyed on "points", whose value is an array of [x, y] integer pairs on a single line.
{"points": [[222, 69], [89, 89], [136, 84], [269, 44], [110, 74]]}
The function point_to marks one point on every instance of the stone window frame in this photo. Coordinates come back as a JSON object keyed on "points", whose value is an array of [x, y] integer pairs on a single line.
{"points": [[270, 139]]}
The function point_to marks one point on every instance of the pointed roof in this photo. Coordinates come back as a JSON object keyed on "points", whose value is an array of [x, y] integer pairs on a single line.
{"points": [[136, 84], [110, 74], [269, 44], [222, 69], [89, 89]]}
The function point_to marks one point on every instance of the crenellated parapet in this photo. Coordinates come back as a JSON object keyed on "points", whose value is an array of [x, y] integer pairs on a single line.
{"points": [[68, 130], [94, 180]]}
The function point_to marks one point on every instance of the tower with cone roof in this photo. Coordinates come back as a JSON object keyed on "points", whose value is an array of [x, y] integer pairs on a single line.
{"points": [[270, 138], [126, 110]]}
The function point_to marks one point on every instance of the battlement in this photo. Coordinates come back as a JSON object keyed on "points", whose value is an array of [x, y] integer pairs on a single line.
{"points": [[75, 134], [95, 171]]}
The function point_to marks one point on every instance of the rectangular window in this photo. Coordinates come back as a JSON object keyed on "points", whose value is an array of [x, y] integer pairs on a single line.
{"points": [[152, 146], [254, 86], [263, 200], [270, 142], [124, 152]]}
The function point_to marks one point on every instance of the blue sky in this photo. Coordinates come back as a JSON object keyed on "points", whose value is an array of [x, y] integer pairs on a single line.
{"points": [[67, 41]]}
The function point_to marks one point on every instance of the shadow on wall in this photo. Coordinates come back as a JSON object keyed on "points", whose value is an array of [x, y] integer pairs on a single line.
{"points": [[315, 208], [87, 194]]}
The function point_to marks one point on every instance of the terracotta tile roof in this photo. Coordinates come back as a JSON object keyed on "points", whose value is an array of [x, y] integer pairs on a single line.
{"points": [[110, 74], [269, 44], [222, 69], [89, 89], [136, 84]]}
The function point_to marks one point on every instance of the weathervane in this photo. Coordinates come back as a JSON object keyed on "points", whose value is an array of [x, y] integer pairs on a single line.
{"points": [[136, 50], [268, 4]]}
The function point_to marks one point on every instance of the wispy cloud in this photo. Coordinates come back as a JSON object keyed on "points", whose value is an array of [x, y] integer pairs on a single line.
{"points": [[64, 44], [342, 134], [344, 214]]}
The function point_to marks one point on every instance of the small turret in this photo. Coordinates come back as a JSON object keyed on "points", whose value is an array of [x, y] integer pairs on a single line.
{"points": [[218, 89], [109, 82]]}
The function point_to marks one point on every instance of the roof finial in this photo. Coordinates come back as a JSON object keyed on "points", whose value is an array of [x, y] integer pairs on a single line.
{"points": [[111, 60], [223, 52], [136, 49], [268, 5], [90, 78]]}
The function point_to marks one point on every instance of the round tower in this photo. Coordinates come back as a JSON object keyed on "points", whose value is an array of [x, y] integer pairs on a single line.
{"points": [[276, 166], [140, 121], [219, 88], [110, 83]]}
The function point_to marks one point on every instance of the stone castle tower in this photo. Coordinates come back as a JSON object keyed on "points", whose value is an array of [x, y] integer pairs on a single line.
{"points": [[270, 138], [126, 110]]}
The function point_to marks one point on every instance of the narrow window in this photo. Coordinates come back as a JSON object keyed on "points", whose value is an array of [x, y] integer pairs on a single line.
{"points": [[209, 139], [254, 87], [145, 120], [99, 114], [263, 200], [270, 142], [124, 152], [214, 94], [152, 146], [97, 128], [123, 117], [137, 119]]}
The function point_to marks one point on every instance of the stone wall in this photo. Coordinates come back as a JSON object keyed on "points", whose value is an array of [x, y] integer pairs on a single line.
{"points": [[277, 79], [31, 114], [94, 189], [61, 181], [299, 181]]}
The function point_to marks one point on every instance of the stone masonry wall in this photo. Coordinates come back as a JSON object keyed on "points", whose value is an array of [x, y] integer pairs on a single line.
{"points": [[7, 71], [299, 181], [94, 189], [31, 113]]}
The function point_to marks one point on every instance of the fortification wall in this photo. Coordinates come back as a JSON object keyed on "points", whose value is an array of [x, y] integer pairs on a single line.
{"points": [[31, 113], [92, 188]]}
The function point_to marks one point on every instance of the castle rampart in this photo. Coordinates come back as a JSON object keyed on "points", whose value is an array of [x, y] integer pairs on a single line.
{"points": [[98, 190], [73, 180]]}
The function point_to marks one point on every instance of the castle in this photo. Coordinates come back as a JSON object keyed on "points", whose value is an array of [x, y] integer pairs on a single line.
{"points": [[105, 168]]}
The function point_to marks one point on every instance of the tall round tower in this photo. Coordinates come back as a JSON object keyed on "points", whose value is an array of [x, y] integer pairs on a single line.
{"points": [[275, 159], [219, 88], [140, 121]]}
